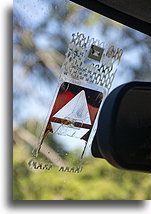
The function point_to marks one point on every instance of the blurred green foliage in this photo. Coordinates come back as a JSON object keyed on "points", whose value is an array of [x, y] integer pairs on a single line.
{"points": [[98, 181]]}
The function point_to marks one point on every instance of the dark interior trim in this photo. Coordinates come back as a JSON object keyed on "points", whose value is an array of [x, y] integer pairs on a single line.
{"points": [[116, 15]]}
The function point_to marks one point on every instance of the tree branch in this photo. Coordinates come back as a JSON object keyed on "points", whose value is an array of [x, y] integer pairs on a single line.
{"points": [[48, 152]]}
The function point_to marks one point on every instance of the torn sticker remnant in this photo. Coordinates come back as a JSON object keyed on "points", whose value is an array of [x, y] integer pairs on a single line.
{"points": [[74, 111]]}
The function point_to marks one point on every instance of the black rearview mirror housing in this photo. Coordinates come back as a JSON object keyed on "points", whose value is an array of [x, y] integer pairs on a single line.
{"points": [[123, 136]]}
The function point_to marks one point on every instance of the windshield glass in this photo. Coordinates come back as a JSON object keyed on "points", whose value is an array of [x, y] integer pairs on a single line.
{"points": [[42, 31]]}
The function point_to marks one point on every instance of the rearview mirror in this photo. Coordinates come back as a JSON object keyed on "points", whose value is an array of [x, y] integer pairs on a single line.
{"points": [[123, 136]]}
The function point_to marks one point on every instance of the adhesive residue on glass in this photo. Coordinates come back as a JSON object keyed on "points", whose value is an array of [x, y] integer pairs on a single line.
{"points": [[86, 75]]}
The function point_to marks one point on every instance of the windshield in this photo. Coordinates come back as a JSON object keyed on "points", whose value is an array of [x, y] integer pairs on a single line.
{"points": [[42, 31]]}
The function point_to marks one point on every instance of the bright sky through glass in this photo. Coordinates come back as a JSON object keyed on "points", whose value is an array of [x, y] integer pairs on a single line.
{"points": [[31, 14]]}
